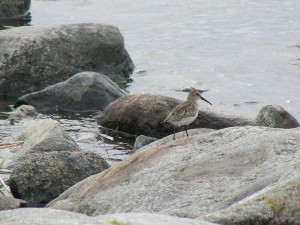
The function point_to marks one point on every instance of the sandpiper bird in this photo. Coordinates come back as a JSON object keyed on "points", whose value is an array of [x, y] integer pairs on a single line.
{"points": [[186, 112]]}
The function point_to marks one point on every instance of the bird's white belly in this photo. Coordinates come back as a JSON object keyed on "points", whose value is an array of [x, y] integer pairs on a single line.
{"points": [[185, 121]]}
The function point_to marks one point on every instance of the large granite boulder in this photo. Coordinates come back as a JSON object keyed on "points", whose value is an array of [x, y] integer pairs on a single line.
{"points": [[83, 92], [275, 116], [46, 216], [14, 10], [196, 175], [145, 113], [41, 177], [33, 58], [275, 204]]}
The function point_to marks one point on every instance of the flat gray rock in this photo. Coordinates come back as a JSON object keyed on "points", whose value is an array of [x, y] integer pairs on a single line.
{"points": [[40, 216], [83, 92], [33, 58], [192, 176], [29, 216], [148, 219]]}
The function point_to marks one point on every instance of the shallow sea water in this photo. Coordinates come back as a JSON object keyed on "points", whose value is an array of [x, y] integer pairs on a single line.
{"points": [[243, 51], [246, 52]]}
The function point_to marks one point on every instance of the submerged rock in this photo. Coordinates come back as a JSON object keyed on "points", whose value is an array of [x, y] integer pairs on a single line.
{"points": [[33, 58], [196, 175], [275, 116], [145, 113], [39, 178], [86, 91], [46, 216]]}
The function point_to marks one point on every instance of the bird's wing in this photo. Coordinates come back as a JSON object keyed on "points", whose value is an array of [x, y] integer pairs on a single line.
{"points": [[186, 109]]}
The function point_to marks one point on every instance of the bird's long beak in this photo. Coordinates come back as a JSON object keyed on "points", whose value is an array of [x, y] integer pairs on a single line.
{"points": [[205, 100]]}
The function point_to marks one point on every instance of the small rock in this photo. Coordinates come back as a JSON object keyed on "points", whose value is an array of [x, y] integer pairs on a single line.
{"points": [[43, 135], [39, 178], [275, 116], [84, 92], [22, 112], [141, 141], [7, 202]]}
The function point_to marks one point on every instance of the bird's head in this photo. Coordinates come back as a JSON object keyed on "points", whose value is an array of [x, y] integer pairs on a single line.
{"points": [[195, 94]]}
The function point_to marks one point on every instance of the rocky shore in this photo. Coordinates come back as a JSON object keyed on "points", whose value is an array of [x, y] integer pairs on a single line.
{"points": [[231, 170]]}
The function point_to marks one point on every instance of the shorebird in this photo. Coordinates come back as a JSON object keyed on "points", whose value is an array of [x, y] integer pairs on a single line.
{"points": [[186, 112]]}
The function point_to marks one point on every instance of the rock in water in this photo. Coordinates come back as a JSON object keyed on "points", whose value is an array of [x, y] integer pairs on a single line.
{"points": [[45, 135], [22, 112], [144, 114], [48, 162], [139, 114], [14, 10], [275, 116], [33, 58], [83, 92], [39, 178]]}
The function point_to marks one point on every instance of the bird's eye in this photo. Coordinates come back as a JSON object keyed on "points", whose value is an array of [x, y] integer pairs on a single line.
{"points": [[198, 94]]}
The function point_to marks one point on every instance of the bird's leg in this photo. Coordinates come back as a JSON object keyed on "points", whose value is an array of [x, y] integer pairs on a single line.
{"points": [[186, 131], [174, 133]]}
